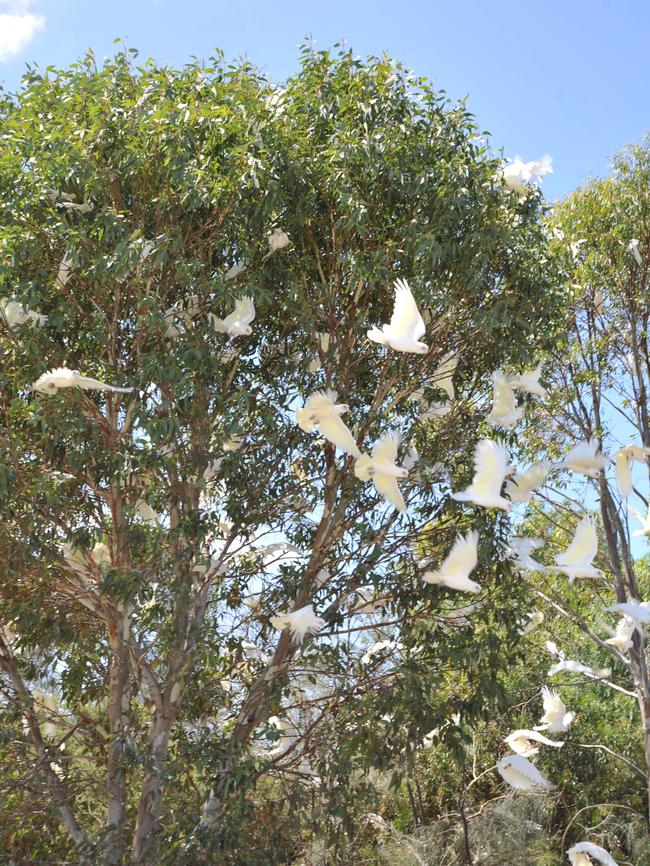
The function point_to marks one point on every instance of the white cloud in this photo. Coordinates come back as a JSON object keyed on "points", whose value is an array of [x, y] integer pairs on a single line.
{"points": [[17, 27]]}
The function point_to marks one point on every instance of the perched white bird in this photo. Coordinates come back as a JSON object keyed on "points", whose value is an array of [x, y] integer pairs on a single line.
{"points": [[299, 622], [523, 742], [520, 487], [586, 458], [458, 565], [84, 208], [556, 719], [435, 410], [520, 550], [517, 173], [576, 560], [406, 325], [529, 381], [146, 512], [574, 246], [521, 775], [14, 313], [624, 459], [61, 377], [238, 323], [381, 469], [253, 652], [644, 521], [321, 410], [324, 340], [535, 619], [289, 735], [278, 240], [65, 271], [491, 468], [443, 376], [377, 647], [233, 272], [582, 854], [637, 612], [633, 247], [623, 635], [505, 411], [368, 600]]}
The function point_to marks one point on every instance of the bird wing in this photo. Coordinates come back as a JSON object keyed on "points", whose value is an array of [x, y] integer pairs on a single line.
{"points": [[553, 703], [491, 466], [336, 432], [385, 450], [321, 399], [387, 486], [406, 319], [463, 556], [596, 851], [583, 547]]}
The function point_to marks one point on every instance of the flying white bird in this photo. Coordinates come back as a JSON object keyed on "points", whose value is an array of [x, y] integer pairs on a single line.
{"points": [[61, 377], [582, 853], [556, 719], [382, 470], [644, 521], [443, 375], [624, 459], [505, 411], [406, 325], [535, 619], [520, 487], [299, 622], [633, 247], [324, 340], [529, 381], [576, 560], [517, 173], [523, 742], [321, 410], [574, 667], [491, 468], [623, 635], [586, 459], [14, 313], [638, 612], [521, 548], [238, 323], [521, 775], [458, 565]]}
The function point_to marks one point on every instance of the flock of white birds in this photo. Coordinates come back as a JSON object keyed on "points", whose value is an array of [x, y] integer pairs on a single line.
{"points": [[495, 484]]}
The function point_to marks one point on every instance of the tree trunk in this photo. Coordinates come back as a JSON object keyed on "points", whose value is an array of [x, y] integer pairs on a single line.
{"points": [[118, 717]]}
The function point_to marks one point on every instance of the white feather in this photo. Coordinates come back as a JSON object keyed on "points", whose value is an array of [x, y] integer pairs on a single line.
{"points": [[459, 563], [491, 468], [406, 325]]}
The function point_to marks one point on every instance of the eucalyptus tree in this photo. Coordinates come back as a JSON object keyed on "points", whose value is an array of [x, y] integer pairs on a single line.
{"points": [[151, 536], [598, 383]]}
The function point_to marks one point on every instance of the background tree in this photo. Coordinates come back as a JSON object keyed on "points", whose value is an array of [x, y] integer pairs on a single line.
{"points": [[149, 537]]}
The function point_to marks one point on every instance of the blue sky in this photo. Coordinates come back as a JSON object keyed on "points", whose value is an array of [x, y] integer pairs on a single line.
{"points": [[567, 78]]}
